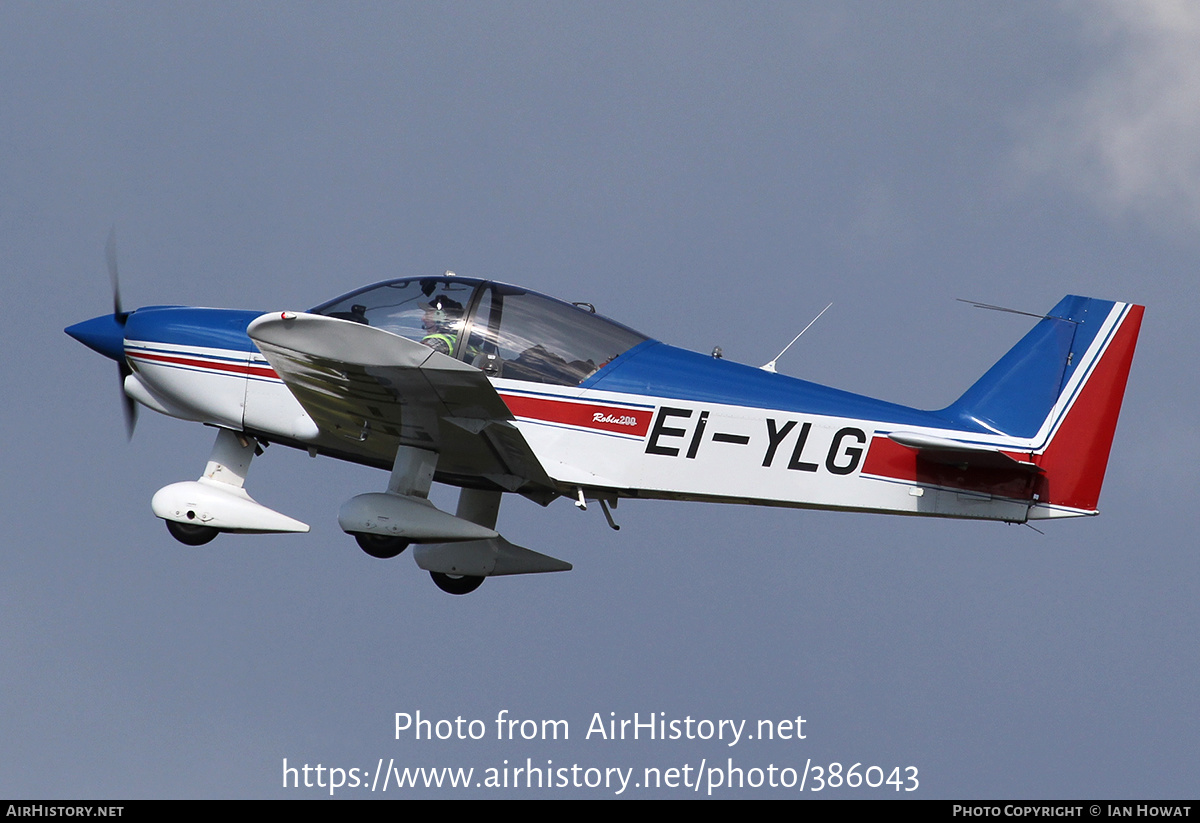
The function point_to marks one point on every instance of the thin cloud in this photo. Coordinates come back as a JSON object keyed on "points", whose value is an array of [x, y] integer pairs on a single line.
{"points": [[1127, 137]]}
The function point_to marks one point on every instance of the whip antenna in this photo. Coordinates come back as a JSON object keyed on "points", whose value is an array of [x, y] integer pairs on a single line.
{"points": [[771, 366]]}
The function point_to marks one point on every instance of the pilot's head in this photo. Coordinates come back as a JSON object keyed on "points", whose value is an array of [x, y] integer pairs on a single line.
{"points": [[442, 314]]}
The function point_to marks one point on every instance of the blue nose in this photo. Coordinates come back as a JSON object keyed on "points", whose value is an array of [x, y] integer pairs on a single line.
{"points": [[104, 334]]}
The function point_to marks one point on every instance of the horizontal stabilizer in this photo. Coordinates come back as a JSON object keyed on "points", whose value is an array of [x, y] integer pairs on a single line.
{"points": [[955, 453]]}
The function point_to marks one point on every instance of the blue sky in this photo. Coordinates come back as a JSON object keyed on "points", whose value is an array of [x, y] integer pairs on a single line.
{"points": [[710, 174]]}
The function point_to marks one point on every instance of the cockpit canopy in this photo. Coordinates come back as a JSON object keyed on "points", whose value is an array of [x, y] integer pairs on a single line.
{"points": [[504, 330]]}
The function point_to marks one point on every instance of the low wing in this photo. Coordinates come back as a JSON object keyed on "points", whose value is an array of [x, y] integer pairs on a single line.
{"points": [[378, 390]]}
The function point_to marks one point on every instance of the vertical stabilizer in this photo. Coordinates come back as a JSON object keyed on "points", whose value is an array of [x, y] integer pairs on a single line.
{"points": [[1058, 394]]}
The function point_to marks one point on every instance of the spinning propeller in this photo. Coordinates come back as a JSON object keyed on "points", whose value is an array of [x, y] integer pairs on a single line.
{"points": [[106, 334], [128, 406]]}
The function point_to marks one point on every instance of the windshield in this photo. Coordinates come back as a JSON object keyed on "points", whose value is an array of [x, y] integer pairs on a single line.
{"points": [[505, 331], [410, 308]]}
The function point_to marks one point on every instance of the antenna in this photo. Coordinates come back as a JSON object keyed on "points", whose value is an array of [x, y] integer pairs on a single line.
{"points": [[771, 366], [978, 305]]}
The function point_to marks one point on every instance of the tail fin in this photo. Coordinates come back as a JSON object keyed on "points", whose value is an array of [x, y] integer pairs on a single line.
{"points": [[1060, 390]]}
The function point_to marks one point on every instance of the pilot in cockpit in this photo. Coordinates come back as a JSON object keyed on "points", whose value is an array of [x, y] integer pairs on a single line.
{"points": [[442, 321]]}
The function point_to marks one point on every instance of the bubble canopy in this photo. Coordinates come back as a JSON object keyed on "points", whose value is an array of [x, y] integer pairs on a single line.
{"points": [[504, 330]]}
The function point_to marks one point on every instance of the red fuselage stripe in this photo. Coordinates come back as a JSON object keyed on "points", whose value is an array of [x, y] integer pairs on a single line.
{"points": [[586, 415], [191, 362]]}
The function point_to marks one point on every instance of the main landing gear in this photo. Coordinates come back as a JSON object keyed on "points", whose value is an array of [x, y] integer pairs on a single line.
{"points": [[191, 534], [456, 583], [458, 550], [384, 524], [381, 546]]}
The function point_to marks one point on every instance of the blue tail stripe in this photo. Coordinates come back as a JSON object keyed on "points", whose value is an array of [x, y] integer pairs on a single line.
{"points": [[1017, 394]]}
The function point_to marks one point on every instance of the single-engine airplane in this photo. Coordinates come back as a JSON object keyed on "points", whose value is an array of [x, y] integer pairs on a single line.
{"points": [[495, 389]]}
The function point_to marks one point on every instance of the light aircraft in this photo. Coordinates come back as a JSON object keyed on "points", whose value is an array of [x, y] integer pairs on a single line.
{"points": [[497, 389]]}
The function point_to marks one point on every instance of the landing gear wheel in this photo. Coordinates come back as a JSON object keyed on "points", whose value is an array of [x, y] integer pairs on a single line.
{"points": [[380, 545], [192, 534], [456, 583]]}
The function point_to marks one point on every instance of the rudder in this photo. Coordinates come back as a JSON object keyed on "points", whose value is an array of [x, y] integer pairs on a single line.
{"points": [[1075, 456]]}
